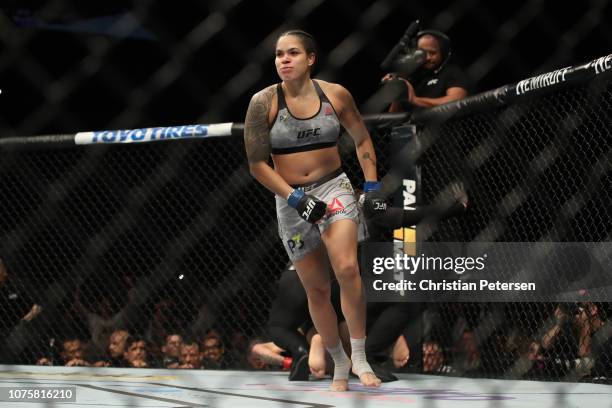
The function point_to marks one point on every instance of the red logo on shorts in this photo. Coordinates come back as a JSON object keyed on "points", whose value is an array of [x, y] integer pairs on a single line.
{"points": [[335, 206]]}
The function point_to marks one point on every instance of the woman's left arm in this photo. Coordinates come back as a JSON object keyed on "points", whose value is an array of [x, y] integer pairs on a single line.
{"points": [[351, 119]]}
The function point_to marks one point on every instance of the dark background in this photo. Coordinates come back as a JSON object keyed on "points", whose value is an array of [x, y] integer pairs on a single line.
{"points": [[68, 66]]}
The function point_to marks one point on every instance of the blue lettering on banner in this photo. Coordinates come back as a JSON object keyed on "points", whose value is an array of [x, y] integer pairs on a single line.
{"points": [[155, 132], [139, 134], [96, 135], [123, 135], [201, 130], [188, 131], [146, 134], [108, 137]]}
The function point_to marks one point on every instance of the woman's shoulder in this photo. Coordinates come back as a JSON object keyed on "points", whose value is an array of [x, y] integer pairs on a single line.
{"points": [[330, 86], [339, 96], [267, 92]]}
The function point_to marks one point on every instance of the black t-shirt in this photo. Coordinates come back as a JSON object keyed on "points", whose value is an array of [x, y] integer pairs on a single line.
{"points": [[429, 84], [15, 302]]}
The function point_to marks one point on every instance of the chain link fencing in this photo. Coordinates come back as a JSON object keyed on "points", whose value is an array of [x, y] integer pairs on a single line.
{"points": [[537, 171], [177, 237]]}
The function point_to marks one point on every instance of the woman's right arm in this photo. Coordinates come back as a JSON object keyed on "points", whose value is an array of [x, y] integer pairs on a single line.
{"points": [[257, 143]]}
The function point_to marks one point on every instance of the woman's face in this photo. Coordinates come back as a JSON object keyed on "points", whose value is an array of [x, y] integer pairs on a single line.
{"points": [[292, 61]]}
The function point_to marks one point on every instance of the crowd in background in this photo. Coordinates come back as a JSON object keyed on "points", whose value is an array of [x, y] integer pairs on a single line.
{"points": [[532, 341]]}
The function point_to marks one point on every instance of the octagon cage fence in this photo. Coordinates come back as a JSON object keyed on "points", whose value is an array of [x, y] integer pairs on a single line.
{"points": [[101, 232]]}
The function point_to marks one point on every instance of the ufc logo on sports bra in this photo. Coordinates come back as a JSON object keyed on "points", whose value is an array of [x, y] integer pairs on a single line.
{"points": [[302, 134]]}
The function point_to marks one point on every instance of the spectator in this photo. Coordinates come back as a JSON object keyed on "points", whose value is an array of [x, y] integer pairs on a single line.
{"points": [[164, 319], [466, 354], [16, 300], [567, 347], [18, 309], [71, 355], [435, 82], [213, 351], [135, 353], [115, 350], [190, 355], [237, 354], [171, 351], [433, 358]]}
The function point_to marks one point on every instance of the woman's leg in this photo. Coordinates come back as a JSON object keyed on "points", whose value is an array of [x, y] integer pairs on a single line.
{"points": [[313, 270], [340, 240]]}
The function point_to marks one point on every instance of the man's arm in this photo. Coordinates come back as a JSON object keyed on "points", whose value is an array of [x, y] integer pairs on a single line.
{"points": [[551, 335], [452, 94]]}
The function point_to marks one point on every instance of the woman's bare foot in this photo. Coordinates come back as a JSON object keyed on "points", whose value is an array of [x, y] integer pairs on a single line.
{"points": [[369, 379], [339, 385]]}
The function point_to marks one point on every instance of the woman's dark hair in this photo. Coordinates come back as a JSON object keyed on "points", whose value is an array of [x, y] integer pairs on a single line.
{"points": [[307, 40]]}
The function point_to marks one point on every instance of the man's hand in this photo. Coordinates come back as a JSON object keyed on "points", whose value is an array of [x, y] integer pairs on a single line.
{"points": [[139, 364], [44, 361], [35, 311], [410, 89], [77, 362]]}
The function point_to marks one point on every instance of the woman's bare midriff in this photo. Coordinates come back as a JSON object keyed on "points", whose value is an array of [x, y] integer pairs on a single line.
{"points": [[306, 167]]}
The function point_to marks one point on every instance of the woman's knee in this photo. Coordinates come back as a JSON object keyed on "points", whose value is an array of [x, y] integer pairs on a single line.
{"points": [[346, 270], [318, 293]]}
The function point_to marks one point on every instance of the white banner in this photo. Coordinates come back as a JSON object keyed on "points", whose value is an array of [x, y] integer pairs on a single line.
{"points": [[154, 134]]}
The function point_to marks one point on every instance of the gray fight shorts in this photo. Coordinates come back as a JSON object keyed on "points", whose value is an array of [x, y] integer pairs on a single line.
{"points": [[301, 237]]}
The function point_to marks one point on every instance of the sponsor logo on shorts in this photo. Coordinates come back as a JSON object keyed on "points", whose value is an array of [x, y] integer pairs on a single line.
{"points": [[336, 207], [346, 185], [295, 243]]}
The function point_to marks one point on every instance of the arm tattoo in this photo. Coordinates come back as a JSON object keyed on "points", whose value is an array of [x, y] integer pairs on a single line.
{"points": [[256, 132], [367, 156]]}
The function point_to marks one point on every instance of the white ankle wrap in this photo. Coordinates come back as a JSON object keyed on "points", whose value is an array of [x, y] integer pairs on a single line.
{"points": [[341, 362]]}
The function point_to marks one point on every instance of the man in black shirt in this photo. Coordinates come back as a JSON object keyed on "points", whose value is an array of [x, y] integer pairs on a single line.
{"points": [[18, 309], [435, 82]]}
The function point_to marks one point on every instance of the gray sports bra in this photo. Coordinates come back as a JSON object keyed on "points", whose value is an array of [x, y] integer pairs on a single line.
{"points": [[290, 134]]}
